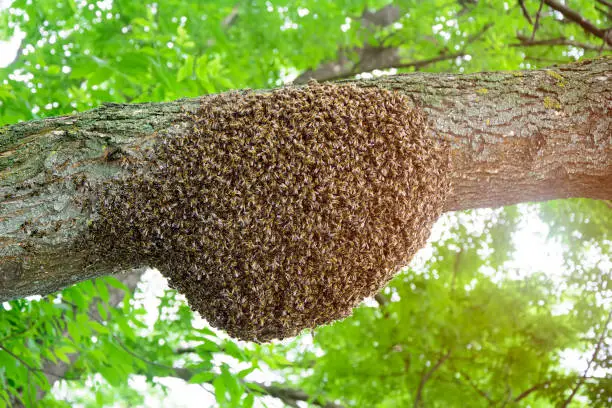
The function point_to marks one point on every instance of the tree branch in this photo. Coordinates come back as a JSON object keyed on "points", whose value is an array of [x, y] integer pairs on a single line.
{"points": [[536, 25], [605, 3], [381, 299], [591, 360], [472, 384], [528, 42], [577, 18], [290, 396], [382, 58], [525, 11], [426, 376], [370, 57], [513, 136], [28, 366], [529, 390]]}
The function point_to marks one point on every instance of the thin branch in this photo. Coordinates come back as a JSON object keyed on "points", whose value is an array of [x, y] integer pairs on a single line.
{"points": [[25, 364], [424, 63], [525, 11], [426, 376], [548, 61], [475, 387], [16, 334], [229, 20], [379, 57], [185, 350], [527, 42], [577, 18], [604, 12], [381, 299], [529, 390], [136, 355], [479, 34], [291, 396], [456, 269], [605, 3], [536, 25], [592, 359]]}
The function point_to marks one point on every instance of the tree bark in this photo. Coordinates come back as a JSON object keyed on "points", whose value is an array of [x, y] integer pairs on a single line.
{"points": [[514, 137]]}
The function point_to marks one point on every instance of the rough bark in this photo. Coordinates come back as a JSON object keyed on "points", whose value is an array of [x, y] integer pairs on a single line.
{"points": [[514, 137]]}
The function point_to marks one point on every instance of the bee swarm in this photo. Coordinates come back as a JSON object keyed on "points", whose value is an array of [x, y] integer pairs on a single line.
{"points": [[281, 211]]}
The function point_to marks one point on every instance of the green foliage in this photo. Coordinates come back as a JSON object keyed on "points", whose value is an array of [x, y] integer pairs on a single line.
{"points": [[460, 327]]}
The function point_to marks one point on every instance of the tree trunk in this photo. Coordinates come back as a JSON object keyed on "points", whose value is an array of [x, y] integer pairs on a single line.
{"points": [[514, 137]]}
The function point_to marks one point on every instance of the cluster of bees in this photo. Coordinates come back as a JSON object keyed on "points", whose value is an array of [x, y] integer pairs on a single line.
{"points": [[282, 210]]}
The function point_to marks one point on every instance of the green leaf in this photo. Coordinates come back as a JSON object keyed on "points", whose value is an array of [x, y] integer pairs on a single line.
{"points": [[203, 377], [249, 401], [220, 390], [83, 67], [98, 327], [116, 283], [141, 21], [233, 350], [6, 92], [99, 398], [74, 331], [53, 70], [102, 290], [255, 387], [102, 311], [61, 355], [232, 384], [207, 346], [201, 68], [246, 371], [111, 375], [186, 70]]}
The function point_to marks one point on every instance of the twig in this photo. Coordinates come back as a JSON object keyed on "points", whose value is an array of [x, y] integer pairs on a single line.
{"points": [[577, 18], [525, 11], [16, 334], [423, 63], [527, 42], [536, 25], [292, 396], [475, 387], [426, 376], [230, 18], [607, 37], [288, 395], [591, 360], [185, 350], [529, 390], [549, 61], [22, 361], [604, 12], [133, 354], [456, 270], [479, 34], [381, 299]]}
